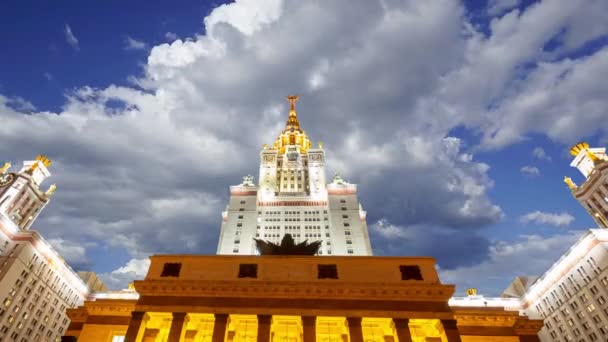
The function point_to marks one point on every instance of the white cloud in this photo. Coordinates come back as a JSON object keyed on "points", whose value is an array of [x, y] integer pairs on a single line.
{"points": [[134, 269], [555, 219], [529, 255], [73, 252], [382, 83], [496, 7], [48, 76], [70, 38], [170, 36], [539, 153], [531, 171], [133, 44]]}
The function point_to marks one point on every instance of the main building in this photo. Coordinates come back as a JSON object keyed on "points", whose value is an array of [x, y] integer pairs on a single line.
{"points": [[292, 197]]}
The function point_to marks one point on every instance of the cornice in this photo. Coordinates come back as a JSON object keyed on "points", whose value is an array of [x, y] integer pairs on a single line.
{"points": [[110, 307], [292, 290]]}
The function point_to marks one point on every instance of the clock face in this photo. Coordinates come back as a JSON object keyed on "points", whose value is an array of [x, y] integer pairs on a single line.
{"points": [[6, 179]]}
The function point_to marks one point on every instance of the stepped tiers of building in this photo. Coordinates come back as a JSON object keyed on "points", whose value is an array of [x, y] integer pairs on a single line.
{"points": [[592, 194], [36, 284], [230, 298], [293, 197]]}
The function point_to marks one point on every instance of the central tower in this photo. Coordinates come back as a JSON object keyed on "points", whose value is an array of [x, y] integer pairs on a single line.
{"points": [[293, 197]]}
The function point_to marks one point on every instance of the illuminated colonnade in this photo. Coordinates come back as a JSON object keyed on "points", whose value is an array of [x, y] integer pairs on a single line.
{"points": [[182, 327]]}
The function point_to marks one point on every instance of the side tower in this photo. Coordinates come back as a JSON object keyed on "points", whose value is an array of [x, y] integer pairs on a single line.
{"points": [[21, 198], [293, 197], [592, 194]]}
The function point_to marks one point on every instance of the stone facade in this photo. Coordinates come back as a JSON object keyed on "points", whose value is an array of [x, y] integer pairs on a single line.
{"points": [[36, 285], [293, 298], [293, 197]]}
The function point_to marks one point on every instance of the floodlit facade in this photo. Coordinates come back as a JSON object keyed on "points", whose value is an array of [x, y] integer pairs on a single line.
{"points": [[234, 298], [592, 194], [36, 285], [571, 297], [293, 197]]}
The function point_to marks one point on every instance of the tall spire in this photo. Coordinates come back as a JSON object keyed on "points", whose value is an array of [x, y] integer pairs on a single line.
{"points": [[292, 121]]}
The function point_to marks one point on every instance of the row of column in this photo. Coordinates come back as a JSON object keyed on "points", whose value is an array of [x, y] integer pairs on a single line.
{"points": [[264, 328]]}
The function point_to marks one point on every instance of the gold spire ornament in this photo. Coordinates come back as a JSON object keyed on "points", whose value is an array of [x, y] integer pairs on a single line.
{"points": [[576, 149], [570, 183], [51, 190], [472, 291], [592, 156], [44, 160], [6, 166]]}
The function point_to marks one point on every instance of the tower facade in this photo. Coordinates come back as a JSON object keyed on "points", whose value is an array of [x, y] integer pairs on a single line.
{"points": [[293, 197], [36, 284], [592, 194]]}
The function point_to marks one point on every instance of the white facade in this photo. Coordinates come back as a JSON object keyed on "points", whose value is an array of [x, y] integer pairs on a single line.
{"points": [[592, 194], [571, 297], [292, 197], [36, 285]]}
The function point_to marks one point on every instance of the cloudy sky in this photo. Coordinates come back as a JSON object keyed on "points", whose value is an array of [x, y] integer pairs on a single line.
{"points": [[454, 118]]}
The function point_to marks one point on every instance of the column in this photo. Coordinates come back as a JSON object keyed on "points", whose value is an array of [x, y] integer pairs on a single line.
{"points": [[264, 328], [309, 325], [451, 330], [177, 325], [354, 329], [219, 327], [134, 326], [402, 325]]}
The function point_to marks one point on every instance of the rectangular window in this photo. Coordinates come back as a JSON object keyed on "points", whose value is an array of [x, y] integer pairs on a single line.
{"points": [[248, 271], [171, 269], [410, 272], [327, 271]]}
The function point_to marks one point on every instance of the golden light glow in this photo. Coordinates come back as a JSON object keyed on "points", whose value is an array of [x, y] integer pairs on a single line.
{"points": [[425, 330], [332, 329], [472, 291], [292, 134], [576, 149], [6, 166], [242, 328], [199, 327], [46, 161], [570, 183], [286, 329], [601, 218], [592, 156], [378, 329], [155, 327]]}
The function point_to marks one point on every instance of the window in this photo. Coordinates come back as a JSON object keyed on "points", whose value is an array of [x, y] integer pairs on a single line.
{"points": [[171, 269], [410, 272], [327, 271], [242, 202], [248, 271]]}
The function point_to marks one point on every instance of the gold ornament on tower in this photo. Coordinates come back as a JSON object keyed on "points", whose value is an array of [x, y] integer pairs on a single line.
{"points": [[51, 190], [44, 160], [570, 183], [6, 166]]}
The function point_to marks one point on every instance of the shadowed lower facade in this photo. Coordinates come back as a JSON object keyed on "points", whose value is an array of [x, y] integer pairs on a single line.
{"points": [[220, 298]]}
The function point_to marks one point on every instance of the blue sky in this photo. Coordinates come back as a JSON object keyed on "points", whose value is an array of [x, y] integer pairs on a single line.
{"points": [[150, 110]]}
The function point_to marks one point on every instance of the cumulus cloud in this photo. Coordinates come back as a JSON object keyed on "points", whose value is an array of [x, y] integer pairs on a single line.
{"points": [[73, 252], [554, 219], [170, 36], [531, 171], [539, 153], [134, 269], [146, 168], [133, 44], [533, 255], [496, 7], [70, 38]]}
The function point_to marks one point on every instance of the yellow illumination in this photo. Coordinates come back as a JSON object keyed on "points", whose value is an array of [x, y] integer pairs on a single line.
{"points": [[378, 329], [51, 190], [332, 329], [576, 149], [286, 329], [199, 328], [424, 330], [472, 291], [242, 328], [570, 183], [6, 166], [44, 160]]}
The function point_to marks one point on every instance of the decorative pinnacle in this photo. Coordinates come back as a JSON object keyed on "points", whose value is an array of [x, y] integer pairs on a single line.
{"points": [[6, 166], [570, 183], [51, 190], [576, 149], [292, 102], [46, 161]]}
